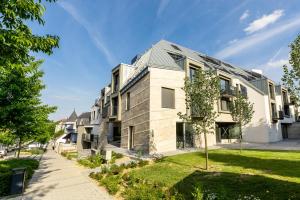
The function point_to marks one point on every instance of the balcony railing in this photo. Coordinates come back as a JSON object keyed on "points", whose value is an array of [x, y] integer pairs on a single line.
{"points": [[228, 91]]}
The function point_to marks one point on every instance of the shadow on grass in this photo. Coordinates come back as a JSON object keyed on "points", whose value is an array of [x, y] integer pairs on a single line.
{"points": [[286, 168], [230, 186]]}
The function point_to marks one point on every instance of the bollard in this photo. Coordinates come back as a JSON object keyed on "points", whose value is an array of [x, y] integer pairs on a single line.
{"points": [[17, 181]]}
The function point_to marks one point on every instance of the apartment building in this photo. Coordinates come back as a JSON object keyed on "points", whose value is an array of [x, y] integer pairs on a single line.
{"points": [[140, 110]]}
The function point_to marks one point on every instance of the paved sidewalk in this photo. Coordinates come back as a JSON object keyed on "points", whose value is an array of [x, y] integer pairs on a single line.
{"points": [[61, 179], [288, 144]]}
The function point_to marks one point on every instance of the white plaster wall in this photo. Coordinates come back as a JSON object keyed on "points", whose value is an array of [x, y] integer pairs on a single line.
{"points": [[257, 129], [163, 120]]}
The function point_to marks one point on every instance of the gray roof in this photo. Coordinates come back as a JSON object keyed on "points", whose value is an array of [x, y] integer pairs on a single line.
{"points": [[72, 117], [170, 56], [84, 115]]}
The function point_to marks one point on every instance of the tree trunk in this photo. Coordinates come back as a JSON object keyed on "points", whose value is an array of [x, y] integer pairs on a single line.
{"points": [[19, 149], [206, 151], [241, 137]]}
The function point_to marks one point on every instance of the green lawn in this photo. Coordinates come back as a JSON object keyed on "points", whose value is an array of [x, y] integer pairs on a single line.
{"points": [[231, 175]]}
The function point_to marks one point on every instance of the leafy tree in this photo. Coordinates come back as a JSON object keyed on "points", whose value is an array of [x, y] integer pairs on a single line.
{"points": [[21, 110], [242, 112], [6, 138], [202, 91], [291, 77]]}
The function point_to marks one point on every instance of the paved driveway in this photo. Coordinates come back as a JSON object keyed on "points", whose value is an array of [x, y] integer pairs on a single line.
{"points": [[289, 144], [60, 179]]}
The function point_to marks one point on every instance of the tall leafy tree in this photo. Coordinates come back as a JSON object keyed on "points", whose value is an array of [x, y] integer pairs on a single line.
{"points": [[242, 112], [202, 91], [291, 76], [21, 110]]}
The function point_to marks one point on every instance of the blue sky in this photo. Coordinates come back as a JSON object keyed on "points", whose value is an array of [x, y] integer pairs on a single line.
{"points": [[96, 35]]}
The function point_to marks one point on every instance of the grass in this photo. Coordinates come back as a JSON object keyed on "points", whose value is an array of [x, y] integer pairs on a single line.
{"points": [[34, 151], [5, 171], [70, 155], [231, 175]]}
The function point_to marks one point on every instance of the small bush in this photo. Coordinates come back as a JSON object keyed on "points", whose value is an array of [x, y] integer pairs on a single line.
{"points": [[144, 191], [104, 169], [92, 161], [115, 169], [98, 176], [112, 183], [132, 164], [143, 163], [117, 155]]}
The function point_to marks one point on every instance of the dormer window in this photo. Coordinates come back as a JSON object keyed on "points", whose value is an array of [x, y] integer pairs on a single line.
{"points": [[176, 57], [175, 47]]}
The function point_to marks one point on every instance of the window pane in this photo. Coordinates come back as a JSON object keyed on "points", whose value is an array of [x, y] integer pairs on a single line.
{"points": [[168, 98]]}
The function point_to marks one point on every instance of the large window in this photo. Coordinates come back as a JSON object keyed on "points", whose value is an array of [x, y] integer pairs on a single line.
{"points": [[224, 104], [116, 81], [273, 110], [128, 101], [167, 98], [243, 90], [192, 73], [271, 91], [224, 84]]}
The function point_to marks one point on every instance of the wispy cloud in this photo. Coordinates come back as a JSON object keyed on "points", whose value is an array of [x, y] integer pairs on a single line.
{"points": [[94, 34], [253, 40], [277, 63], [66, 97], [162, 6], [245, 15], [264, 21]]}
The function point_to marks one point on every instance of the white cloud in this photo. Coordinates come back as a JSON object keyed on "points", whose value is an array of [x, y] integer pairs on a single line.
{"points": [[162, 6], [257, 39], [277, 63], [93, 33], [245, 15], [264, 21]]}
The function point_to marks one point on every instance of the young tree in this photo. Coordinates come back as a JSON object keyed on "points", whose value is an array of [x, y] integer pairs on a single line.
{"points": [[242, 112], [21, 110], [291, 77], [202, 91]]}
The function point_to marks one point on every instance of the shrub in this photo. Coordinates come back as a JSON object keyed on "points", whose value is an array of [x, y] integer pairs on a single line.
{"points": [[98, 176], [115, 169], [144, 191], [104, 169], [92, 161], [142, 163], [117, 155], [112, 183], [132, 164]]}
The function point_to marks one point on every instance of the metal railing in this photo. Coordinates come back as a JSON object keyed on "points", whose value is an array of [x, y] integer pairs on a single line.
{"points": [[228, 91]]}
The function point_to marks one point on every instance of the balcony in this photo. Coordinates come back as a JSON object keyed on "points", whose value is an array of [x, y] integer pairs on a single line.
{"points": [[228, 91]]}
